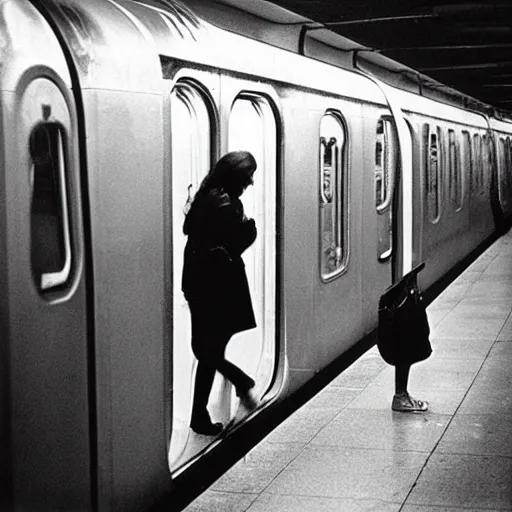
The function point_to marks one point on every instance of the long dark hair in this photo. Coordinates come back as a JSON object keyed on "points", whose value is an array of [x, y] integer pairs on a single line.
{"points": [[229, 170]]}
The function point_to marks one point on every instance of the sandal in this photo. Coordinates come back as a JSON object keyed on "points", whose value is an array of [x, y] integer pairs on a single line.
{"points": [[405, 403]]}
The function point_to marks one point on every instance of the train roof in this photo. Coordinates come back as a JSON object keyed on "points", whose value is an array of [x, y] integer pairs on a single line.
{"points": [[128, 44], [276, 25], [125, 45]]}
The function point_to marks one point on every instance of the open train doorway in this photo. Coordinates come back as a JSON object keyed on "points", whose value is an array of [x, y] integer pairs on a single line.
{"points": [[252, 127], [192, 155], [194, 136]]}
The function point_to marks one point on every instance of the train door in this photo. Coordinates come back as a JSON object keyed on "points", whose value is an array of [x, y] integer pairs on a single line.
{"points": [[390, 248], [416, 195], [406, 205], [379, 241], [404, 222], [43, 317], [252, 126], [249, 123], [193, 127]]}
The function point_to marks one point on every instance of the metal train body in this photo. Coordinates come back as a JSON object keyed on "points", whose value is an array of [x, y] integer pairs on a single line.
{"points": [[111, 112]]}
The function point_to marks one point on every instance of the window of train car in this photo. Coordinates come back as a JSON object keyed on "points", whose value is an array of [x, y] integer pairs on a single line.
{"points": [[192, 133], [486, 160], [333, 190], [386, 158], [476, 178], [490, 162], [466, 161], [49, 218], [503, 183], [506, 178], [433, 171], [508, 156], [454, 169], [507, 168]]}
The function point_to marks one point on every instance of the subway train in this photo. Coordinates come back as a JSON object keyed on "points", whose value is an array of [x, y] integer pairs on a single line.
{"points": [[111, 113]]}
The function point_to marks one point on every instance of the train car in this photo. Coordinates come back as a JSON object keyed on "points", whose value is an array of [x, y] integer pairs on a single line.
{"points": [[111, 114], [454, 214], [501, 142]]}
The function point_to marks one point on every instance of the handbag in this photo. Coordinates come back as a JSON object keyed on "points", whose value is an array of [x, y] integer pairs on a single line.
{"points": [[403, 332]]}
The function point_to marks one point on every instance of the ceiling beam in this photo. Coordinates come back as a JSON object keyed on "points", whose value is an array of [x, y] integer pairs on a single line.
{"points": [[493, 46], [384, 19], [456, 67]]}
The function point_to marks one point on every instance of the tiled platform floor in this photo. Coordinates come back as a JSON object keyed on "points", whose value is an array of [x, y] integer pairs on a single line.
{"points": [[346, 451]]}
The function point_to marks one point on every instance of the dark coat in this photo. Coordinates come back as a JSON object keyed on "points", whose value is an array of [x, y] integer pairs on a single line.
{"points": [[214, 280]]}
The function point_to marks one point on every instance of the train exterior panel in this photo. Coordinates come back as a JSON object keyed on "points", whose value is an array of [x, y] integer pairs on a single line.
{"points": [[111, 114], [44, 378]]}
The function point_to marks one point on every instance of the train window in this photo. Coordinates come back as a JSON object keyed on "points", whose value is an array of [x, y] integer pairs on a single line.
{"points": [[49, 218], [504, 150], [503, 182], [508, 159], [477, 164], [489, 162], [486, 159], [333, 189], [454, 168], [466, 161], [191, 118], [386, 156], [433, 163], [507, 167]]}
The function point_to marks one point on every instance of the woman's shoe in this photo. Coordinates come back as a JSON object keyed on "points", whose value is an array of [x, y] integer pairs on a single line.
{"points": [[248, 400], [201, 423], [243, 390], [206, 428], [405, 403], [246, 397]]}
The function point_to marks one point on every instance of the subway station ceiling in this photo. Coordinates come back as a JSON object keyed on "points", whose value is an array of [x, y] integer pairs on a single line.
{"points": [[466, 45]]}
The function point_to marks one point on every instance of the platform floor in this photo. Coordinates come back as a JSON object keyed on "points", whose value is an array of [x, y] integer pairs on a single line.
{"points": [[346, 451]]}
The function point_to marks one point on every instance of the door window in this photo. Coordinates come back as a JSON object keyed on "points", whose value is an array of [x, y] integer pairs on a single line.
{"points": [[49, 218], [454, 169], [333, 190], [433, 162], [476, 182]]}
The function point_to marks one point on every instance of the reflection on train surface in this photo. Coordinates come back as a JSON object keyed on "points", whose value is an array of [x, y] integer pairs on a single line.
{"points": [[112, 112]]}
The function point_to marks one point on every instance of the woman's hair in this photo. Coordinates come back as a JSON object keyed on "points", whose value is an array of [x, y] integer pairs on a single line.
{"points": [[231, 169], [228, 170]]}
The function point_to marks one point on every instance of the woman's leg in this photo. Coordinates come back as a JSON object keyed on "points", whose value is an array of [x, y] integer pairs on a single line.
{"points": [[210, 353], [230, 371], [205, 374], [242, 382], [402, 401], [203, 385], [401, 379]]}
